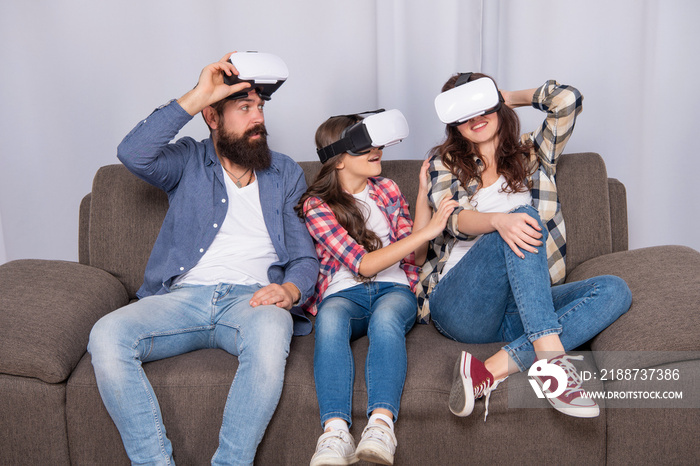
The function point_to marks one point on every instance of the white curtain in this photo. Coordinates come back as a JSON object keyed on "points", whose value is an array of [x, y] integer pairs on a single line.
{"points": [[77, 75]]}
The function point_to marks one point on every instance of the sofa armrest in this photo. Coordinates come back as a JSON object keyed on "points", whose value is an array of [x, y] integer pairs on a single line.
{"points": [[664, 319], [47, 309]]}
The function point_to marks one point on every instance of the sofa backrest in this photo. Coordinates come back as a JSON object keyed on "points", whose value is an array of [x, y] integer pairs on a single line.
{"points": [[121, 217]]}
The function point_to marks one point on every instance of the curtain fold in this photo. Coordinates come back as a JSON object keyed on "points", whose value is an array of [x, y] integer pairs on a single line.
{"points": [[419, 46]]}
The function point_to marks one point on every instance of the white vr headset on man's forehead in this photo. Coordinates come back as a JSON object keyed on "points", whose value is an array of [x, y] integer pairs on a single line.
{"points": [[382, 128], [264, 71], [468, 99]]}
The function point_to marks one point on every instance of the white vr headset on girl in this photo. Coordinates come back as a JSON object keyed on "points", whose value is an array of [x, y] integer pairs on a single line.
{"points": [[467, 100], [264, 71], [382, 128]]}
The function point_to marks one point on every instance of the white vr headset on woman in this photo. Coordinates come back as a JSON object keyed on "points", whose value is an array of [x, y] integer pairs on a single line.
{"points": [[382, 128], [264, 71], [467, 100]]}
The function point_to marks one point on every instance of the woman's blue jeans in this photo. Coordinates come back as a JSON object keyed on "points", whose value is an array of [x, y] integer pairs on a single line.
{"points": [[186, 319], [384, 312], [492, 295]]}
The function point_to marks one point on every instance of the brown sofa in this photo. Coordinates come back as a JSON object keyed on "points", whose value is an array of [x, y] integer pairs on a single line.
{"points": [[52, 414]]}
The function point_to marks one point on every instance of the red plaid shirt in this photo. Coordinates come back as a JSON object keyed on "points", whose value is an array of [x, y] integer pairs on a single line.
{"points": [[335, 247]]}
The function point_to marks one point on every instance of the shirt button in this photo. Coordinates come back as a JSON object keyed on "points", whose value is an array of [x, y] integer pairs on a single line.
{"points": [[216, 225], [201, 250], [223, 200], [182, 268]]}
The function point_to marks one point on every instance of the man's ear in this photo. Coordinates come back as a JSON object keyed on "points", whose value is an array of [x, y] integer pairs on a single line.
{"points": [[211, 117]]}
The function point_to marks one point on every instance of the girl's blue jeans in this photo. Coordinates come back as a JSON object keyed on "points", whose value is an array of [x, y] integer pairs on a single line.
{"points": [[492, 295], [186, 319], [384, 312]]}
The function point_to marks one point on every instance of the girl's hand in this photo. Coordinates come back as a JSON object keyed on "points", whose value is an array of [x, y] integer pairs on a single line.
{"points": [[519, 231], [424, 179], [439, 220]]}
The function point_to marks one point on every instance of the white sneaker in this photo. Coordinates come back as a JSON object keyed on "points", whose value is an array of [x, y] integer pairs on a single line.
{"points": [[334, 448], [378, 444]]}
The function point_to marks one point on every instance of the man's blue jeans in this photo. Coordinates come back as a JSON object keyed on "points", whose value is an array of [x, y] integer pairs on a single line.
{"points": [[186, 319], [492, 295], [384, 312]]}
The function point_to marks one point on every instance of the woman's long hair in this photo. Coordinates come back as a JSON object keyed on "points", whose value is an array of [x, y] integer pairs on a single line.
{"points": [[327, 187], [459, 155]]}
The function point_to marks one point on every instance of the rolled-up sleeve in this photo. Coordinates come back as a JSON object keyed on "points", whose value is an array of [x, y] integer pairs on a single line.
{"points": [[563, 104]]}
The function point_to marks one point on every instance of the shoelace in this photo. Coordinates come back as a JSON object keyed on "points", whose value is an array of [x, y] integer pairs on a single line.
{"points": [[378, 432], [329, 443], [486, 387], [571, 373]]}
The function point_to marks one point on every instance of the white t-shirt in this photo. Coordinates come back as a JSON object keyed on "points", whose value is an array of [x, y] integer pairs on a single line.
{"points": [[378, 223], [488, 199], [242, 250]]}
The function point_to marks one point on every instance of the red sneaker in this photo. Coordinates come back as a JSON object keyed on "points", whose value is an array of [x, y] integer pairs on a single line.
{"points": [[470, 381], [574, 400]]}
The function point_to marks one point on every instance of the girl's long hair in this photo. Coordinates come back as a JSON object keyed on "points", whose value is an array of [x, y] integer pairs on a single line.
{"points": [[460, 155], [327, 187]]}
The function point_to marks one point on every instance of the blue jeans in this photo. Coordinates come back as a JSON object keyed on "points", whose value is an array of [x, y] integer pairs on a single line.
{"points": [[186, 319], [492, 295], [384, 312]]}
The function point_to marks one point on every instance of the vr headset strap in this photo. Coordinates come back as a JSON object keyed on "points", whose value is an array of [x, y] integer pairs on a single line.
{"points": [[338, 147]]}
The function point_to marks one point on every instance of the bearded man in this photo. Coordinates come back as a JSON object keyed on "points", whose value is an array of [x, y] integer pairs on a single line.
{"points": [[228, 267]]}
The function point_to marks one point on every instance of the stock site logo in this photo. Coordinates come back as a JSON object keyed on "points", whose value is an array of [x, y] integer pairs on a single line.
{"points": [[543, 374]]}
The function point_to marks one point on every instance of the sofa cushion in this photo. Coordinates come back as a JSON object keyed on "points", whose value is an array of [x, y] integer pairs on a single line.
{"points": [[43, 334], [192, 389], [125, 217], [582, 185], [403, 172]]}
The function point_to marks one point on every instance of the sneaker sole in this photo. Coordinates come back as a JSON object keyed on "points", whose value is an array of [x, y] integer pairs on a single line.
{"points": [[334, 461], [375, 456], [461, 394], [578, 411]]}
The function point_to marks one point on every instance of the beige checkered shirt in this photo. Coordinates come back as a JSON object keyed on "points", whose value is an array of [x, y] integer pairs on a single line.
{"points": [[562, 104]]}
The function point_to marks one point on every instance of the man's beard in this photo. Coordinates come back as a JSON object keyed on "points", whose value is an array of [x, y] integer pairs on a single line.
{"points": [[242, 151]]}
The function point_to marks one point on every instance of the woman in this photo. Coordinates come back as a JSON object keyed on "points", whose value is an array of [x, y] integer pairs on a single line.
{"points": [[365, 244], [489, 275]]}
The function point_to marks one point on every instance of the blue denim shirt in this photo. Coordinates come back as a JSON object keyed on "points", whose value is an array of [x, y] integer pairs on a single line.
{"points": [[190, 173]]}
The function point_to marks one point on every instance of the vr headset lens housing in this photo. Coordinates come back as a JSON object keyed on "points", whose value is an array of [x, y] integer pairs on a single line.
{"points": [[264, 71], [381, 129], [465, 101]]}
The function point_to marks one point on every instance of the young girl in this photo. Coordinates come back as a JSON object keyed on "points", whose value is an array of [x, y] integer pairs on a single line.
{"points": [[489, 274], [362, 229]]}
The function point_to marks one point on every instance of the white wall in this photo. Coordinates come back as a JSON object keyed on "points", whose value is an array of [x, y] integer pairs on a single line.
{"points": [[77, 75]]}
